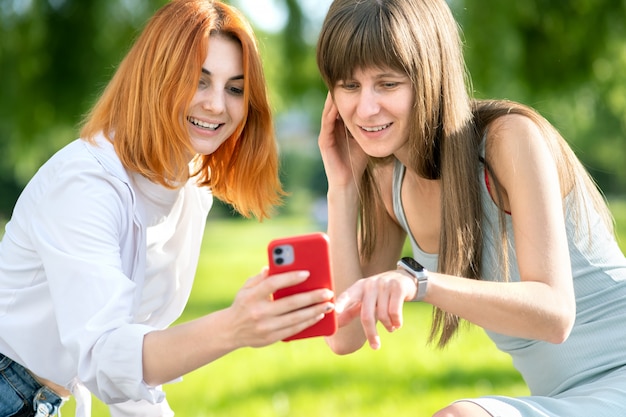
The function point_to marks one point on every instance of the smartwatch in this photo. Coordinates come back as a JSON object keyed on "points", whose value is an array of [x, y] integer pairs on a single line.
{"points": [[419, 274]]}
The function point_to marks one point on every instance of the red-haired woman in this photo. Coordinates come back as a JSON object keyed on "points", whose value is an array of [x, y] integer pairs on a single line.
{"points": [[99, 256]]}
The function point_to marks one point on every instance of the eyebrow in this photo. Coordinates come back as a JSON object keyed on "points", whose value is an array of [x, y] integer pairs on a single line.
{"points": [[236, 77], [390, 75]]}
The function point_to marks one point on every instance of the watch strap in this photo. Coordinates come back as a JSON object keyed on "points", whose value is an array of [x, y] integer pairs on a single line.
{"points": [[420, 278]]}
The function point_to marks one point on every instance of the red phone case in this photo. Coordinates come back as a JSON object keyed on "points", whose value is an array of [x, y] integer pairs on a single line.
{"points": [[307, 252]]}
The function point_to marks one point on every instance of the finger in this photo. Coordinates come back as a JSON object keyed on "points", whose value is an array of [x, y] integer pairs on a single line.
{"points": [[330, 110], [382, 304], [331, 119], [389, 308], [302, 300], [368, 314], [396, 303], [286, 279], [296, 321], [255, 280]]}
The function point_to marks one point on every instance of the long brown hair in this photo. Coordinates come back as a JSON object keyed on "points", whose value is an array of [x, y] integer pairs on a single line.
{"points": [[421, 39], [574, 179], [142, 110]]}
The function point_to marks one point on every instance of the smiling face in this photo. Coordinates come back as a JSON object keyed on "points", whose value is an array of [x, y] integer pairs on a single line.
{"points": [[217, 107], [375, 105]]}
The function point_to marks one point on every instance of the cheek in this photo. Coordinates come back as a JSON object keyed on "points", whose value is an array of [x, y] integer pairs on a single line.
{"points": [[409, 103], [236, 110], [342, 103], [196, 99], [345, 109], [402, 108]]}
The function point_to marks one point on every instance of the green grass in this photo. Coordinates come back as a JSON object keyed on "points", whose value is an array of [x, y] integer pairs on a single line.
{"points": [[304, 378]]}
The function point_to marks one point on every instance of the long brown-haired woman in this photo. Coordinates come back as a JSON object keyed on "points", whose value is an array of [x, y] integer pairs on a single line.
{"points": [[100, 254], [507, 229]]}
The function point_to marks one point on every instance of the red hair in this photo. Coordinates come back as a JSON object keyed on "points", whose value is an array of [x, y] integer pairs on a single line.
{"points": [[142, 110]]}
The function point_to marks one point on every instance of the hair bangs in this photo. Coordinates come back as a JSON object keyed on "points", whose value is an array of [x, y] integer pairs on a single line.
{"points": [[356, 38]]}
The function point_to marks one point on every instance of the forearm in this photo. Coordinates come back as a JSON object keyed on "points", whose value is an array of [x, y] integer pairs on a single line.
{"points": [[254, 319], [345, 261], [528, 309], [342, 231], [170, 353]]}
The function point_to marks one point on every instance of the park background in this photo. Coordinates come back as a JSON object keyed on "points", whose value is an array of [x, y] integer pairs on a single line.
{"points": [[567, 59]]}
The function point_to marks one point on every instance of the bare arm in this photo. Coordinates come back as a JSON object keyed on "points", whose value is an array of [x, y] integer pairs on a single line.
{"points": [[343, 200], [252, 320], [542, 305], [344, 163]]}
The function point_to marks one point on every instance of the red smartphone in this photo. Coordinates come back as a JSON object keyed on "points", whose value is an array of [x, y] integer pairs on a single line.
{"points": [[308, 252]]}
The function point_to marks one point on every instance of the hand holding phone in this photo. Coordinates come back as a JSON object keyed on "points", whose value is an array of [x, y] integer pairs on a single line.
{"points": [[307, 252]]}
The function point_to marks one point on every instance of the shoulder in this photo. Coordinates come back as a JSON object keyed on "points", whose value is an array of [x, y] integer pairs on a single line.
{"points": [[514, 139], [519, 153], [80, 155], [512, 128], [74, 195], [80, 174]]}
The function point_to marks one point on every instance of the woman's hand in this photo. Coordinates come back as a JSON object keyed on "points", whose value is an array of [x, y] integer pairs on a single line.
{"points": [[373, 299], [259, 321], [344, 160], [253, 319]]}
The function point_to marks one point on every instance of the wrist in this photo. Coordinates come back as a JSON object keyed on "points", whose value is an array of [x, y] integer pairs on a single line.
{"points": [[343, 203], [342, 192], [418, 274]]}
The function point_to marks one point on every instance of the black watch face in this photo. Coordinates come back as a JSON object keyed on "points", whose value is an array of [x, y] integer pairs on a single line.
{"points": [[413, 264]]}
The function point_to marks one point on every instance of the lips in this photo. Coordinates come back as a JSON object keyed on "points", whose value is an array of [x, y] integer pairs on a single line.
{"points": [[203, 125], [373, 129]]}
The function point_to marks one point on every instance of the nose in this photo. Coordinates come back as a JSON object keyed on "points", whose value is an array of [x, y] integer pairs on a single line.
{"points": [[213, 101], [368, 104]]}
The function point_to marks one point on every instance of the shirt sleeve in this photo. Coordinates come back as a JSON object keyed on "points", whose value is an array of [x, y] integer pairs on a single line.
{"points": [[84, 231], [141, 408]]}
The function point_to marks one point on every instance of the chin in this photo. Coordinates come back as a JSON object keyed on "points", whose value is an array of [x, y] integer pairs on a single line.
{"points": [[377, 153], [203, 148]]}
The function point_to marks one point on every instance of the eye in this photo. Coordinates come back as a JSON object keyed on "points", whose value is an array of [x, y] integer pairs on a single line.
{"points": [[235, 91], [348, 85], [202, 84], [390, 84]]}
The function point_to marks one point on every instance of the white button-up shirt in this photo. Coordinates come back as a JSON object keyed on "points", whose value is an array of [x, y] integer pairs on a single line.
{"points": [[92, 259]]}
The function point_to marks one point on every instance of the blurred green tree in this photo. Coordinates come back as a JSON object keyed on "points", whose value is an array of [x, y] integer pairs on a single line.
{"points": [[567, 59], [55, 56]]}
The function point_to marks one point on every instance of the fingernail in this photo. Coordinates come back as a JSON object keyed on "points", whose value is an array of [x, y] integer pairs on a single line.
{"points": [[376, 344]]}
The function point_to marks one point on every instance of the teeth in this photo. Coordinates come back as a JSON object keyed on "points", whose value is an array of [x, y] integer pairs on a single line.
{"points": [[376, 128], [202, 124]]}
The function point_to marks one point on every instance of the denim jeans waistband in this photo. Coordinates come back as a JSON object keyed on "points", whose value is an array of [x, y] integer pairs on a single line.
{"points": [[45, 402]]}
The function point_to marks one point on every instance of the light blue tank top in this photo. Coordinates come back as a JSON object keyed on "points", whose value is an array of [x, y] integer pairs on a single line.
{"points": [[597, 343]]}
